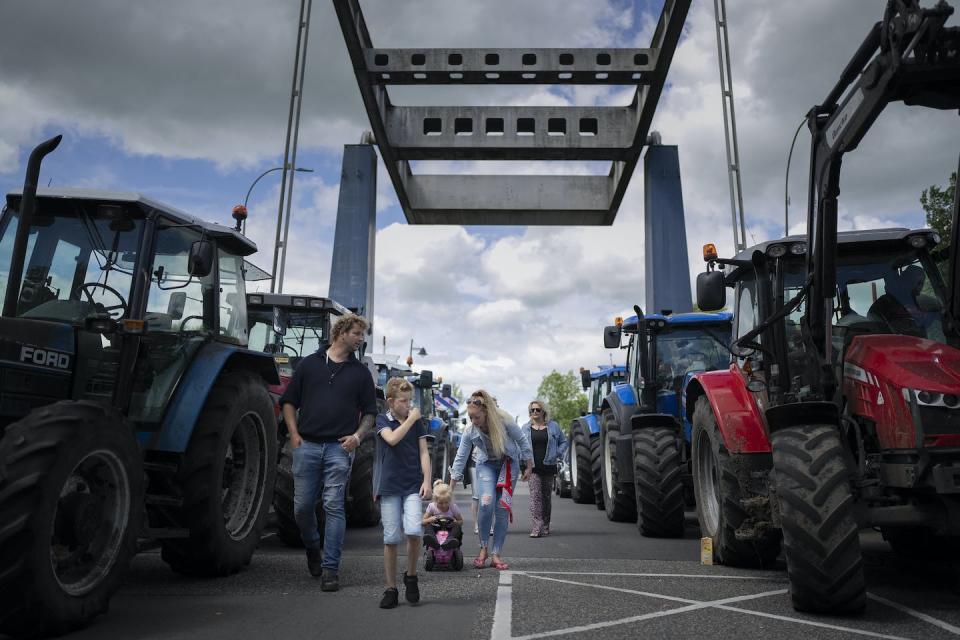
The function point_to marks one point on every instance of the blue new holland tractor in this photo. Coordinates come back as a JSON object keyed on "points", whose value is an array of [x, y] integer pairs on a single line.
{"points": [[584, 449], [644, 430], [131, 410]]}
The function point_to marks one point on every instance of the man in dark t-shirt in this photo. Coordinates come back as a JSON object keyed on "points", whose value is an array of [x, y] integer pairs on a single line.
{"points": [[331, 391], [401, 480]]}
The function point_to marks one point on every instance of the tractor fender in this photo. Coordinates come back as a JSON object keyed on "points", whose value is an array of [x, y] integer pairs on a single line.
{"points": [[740, 421], [623, 402], [195, 385], [592, 424], [647, 420]]}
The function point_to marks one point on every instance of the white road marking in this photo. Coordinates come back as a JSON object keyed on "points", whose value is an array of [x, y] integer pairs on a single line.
{"points": [[917, 614], [772, 578], [503, 613]]}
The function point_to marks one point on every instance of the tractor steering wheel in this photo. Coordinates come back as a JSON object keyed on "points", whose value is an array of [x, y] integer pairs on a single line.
{"points": [[185, 320], [87, 289]]}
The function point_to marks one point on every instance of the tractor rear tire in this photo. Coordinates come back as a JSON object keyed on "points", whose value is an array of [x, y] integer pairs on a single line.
{"points": [[596, 470], [619, 500], [71, 505], [820, 536], [581, 473], [361, 509], [227, 479], [718, 496], [658, 482]]}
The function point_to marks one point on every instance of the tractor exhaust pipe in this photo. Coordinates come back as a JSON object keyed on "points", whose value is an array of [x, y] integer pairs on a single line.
{"points": [[28, 203]]}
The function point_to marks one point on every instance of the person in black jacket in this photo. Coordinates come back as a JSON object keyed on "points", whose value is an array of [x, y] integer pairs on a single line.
{"points": [[332, 391]]}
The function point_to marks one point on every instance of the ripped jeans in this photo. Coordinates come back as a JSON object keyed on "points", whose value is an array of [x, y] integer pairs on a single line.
{"points": [[490, 508], [321, 467]]}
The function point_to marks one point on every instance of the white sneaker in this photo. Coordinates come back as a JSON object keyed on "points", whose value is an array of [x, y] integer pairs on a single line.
{"points": [[476, 528]]}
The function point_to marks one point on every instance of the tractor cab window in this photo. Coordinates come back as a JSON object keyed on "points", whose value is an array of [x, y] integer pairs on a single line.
{"points": [[178, 302], [285, 331], [684, 350], [747, 312], [232, 300], [79, 261], [890, 292], [596, 389]]}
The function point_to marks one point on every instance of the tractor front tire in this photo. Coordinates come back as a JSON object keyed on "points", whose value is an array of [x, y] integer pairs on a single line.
{"points": [[820, 536], [658, 482], [719, 494], [619, 500], [227, 479], [71, 505], [596, 470], [581, 474]]}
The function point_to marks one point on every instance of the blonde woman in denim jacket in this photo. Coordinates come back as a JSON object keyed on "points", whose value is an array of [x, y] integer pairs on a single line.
{"points": [[548, 444], [499, 450]]}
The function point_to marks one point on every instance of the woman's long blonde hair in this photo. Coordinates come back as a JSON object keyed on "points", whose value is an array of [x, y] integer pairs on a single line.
{"points": [[495, 429]]}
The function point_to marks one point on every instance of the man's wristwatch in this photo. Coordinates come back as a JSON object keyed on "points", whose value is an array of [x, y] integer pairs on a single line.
{"points": [[357, 438]]}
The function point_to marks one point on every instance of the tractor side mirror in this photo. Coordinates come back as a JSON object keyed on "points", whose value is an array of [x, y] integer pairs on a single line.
{"points": [[176, 304], [711, 291], [611, 337], [585, 374], [446, 391], [200, 260], [426, 379]]}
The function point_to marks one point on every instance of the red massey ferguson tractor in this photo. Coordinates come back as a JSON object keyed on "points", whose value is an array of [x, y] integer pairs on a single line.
{"points": [[841, 409]]}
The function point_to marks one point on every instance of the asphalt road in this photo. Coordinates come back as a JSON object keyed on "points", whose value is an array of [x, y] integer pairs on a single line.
{"points": [[589, 579]]}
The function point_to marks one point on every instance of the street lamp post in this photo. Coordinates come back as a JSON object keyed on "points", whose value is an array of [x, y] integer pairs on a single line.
{"points": [[422, 353], [254, 183]]}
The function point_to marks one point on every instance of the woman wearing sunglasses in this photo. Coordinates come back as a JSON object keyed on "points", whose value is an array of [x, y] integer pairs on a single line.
{"points": [[549, 444], [499, 449]]}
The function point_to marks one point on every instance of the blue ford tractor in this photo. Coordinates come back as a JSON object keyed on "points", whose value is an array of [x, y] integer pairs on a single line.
{"points": [[131, 410], [644, 431], [584, 449]]}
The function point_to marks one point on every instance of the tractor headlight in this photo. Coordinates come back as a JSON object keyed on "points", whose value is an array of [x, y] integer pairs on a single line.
{"points": [[316, 303], [255, 299], [776, 250], [798, 248], [917, 242], [935, 399], [299, 302]]}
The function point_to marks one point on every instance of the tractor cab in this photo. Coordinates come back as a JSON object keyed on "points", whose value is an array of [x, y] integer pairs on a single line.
{"points": [[114, 295], [290, 327]]}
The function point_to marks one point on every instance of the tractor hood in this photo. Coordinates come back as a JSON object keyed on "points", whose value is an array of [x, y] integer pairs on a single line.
{"points": [[907, 362]]}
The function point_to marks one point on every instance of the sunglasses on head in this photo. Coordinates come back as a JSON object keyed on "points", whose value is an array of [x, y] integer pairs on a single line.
{"points": [[477, 402], [536, 410]]}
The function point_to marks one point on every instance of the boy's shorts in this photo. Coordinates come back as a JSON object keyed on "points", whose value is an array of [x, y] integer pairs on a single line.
{"points": [[401, 515]]}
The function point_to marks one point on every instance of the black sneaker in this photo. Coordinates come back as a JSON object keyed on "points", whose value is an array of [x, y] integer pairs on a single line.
{"points": [[313, 562], [450, 543], [411, 590], [330, 581], [431, 541], [390, 599]]}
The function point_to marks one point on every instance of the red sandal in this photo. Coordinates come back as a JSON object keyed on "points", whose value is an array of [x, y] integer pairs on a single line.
{"points": [[500, 565], [479, 562]]}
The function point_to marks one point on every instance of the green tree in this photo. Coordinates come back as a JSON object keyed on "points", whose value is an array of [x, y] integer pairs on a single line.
{"points": [[938, 205], [561, 392]]}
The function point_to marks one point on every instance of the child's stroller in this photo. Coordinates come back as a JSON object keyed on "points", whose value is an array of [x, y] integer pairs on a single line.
{"points": [[445, 553]]}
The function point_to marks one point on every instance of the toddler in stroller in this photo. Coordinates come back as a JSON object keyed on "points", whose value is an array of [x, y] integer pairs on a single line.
{"points": [[443, 537]]}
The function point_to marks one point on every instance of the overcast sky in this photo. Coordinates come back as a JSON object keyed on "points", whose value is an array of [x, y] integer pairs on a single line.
{"points": [[187, 103]]}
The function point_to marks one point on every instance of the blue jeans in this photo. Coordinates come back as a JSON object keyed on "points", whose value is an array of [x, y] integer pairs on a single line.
{"points": [[319, 467], [490, 508]]}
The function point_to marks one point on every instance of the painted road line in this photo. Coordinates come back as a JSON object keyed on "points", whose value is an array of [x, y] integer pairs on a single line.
{"points": [[917, 614], [646, 616], [692, 605], [503, 612], [772, 578]]}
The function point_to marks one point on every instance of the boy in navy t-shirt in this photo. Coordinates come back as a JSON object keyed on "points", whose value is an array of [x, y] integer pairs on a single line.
{"points": [[401, 481]]}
